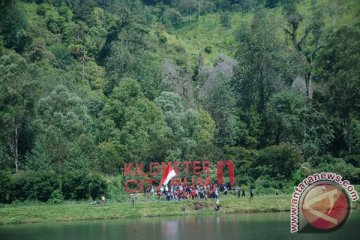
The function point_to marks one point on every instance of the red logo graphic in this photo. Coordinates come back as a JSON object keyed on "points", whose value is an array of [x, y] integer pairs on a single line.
{"points": [[325, 206]]}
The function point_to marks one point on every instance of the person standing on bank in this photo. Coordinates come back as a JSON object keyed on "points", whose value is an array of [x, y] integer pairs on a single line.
{"points": [[217, 204]]}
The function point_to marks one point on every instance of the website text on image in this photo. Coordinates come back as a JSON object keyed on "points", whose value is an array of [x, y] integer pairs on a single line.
{"points": [[314, 178]]}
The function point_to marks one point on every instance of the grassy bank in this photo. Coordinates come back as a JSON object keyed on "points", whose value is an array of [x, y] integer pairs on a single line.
{"points": [[143, 207]]}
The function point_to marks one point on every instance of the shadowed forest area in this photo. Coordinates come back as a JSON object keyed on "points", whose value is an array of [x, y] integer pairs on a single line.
{"points": [[86, 86]]}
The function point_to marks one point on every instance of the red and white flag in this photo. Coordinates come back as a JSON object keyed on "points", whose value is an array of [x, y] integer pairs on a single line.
{"points": [[167, 176]]}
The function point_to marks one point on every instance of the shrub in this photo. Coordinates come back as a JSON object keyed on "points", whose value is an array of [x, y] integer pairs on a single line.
{"points": [[56, 197], [162, 38], [172, 18], [302, 172], [42, 9], [81, 185], [278, 162], [64, 59], [339, 166], [54, 23], [266, 184], [225, 20], [48, 183], [5, 186], [75, 185], [243, 180], [242, 159], [115, 188], [208, 49], [97, 186], [353, 159], [34, 185], [317, 161]]}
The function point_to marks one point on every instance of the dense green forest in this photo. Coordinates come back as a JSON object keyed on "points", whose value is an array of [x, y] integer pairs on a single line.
{"points": [[86, 86]]}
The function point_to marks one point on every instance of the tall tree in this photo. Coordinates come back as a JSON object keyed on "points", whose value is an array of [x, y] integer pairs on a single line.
{"points": [[263, 67], [189, 131], [221, 103], [339, 71], [132, 123], [285, 115], [307, 42], [62, 118], [17, 96], [13, 26]]}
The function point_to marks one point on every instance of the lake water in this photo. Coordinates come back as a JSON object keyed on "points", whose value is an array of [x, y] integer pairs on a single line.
{"points": [[269, 226]]}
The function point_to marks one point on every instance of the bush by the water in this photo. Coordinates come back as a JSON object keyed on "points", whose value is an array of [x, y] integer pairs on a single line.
{"points": [[5, 186], [81, 185], [31, 185], [50, 187]]}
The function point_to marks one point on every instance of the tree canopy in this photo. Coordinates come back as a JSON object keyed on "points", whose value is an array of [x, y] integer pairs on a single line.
{"points": [[90, 85]]}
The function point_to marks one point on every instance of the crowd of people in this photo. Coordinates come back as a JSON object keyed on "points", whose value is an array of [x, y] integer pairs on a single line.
{"points": [[180, 192], [183, 191]]}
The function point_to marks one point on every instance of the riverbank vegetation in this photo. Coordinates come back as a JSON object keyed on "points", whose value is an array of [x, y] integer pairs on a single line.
{"points": [[86, 86], [32, 212]]}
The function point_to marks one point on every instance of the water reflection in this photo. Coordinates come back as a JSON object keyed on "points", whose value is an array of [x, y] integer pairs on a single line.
{"points": [[274, 226]]}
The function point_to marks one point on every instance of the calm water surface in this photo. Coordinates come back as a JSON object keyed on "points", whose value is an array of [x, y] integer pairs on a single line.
{"points": [[269, 226]]}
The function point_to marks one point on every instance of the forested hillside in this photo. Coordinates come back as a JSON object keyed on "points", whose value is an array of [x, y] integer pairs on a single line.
{"points": [[86, 86]]}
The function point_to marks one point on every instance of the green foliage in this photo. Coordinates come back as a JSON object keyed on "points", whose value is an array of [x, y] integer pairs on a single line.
{"points": [[63, 122], [6, 185], [302, 172], [208, 49], [347, 167], [56, 197], [75, 185], [221, 105], [189, 132], [82, 155], [116, 188], [109, 158], [13, 26], [337, 165], [353, 160], [17, 95], [135, 124], [243, 181], [65, 111], [97, 186], [285, 115], [51, 150], [322, 160], [319, 133], [63, 56], [355, 138], [225, 20], [205, 134], [263, 69], [38, 51], [172, 18], [339, 69], [54, 22], [243, 159], [162, 38], [278, 162], [83, 11], [86, 86], [81, 185], [272, 3], [35, 185]]}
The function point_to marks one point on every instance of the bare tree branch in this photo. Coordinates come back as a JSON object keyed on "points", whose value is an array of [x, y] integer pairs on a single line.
{"points": [[307, 31]]}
